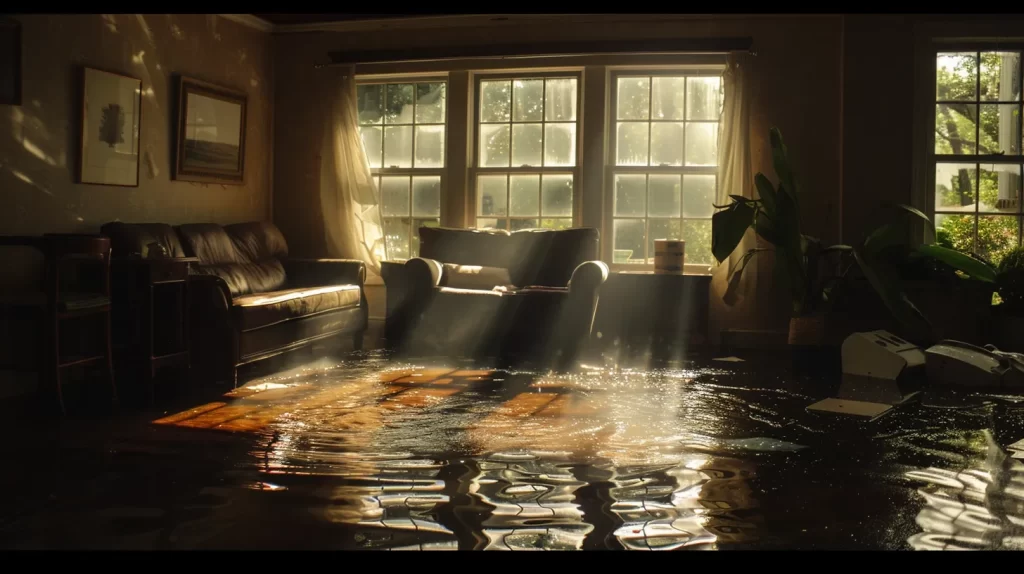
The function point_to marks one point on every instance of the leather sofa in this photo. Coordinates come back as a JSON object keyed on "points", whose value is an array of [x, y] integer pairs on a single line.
{"points": [[530, 295], [248, 299]]}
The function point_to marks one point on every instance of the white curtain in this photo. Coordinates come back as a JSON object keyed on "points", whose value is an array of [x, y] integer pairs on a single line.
{"points": [[349, 198], [732, 305]]}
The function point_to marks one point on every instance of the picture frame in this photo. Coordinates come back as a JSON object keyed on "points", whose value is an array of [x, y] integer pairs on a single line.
{"points": [[10, 61], [211, 133], [111, 125]]}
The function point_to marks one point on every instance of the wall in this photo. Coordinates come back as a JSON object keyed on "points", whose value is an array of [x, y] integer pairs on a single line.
{"points": [[39, 140]]}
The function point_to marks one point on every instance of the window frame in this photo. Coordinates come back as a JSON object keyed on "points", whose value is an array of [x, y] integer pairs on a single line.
{"points": [[378, 173], [474, 169], [932, 159], [611, 169]]}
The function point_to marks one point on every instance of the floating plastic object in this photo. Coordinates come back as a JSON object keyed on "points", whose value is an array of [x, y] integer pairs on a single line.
{"points": [[881, 355]]}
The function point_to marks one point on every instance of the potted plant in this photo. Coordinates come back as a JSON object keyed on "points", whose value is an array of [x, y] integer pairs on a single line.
{"points": [[1008, 324], [802, 262]]}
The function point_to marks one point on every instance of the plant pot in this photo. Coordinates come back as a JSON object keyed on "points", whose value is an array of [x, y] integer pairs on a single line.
{"points": [[808, 331]]}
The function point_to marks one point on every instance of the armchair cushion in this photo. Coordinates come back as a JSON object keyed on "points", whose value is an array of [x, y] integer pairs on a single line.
{"points": [[265, 309], [474, 277]]}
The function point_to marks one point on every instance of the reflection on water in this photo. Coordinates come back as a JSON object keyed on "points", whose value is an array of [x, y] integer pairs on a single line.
{"points": [[980, 508]]}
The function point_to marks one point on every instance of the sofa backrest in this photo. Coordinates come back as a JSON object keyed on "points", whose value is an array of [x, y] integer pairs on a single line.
{"points": [[544, 257], [127, 239], [246, 255]]}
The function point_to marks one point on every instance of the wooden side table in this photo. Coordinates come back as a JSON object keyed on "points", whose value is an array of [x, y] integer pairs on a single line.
{"points": [[151, 300], [647, 311]]}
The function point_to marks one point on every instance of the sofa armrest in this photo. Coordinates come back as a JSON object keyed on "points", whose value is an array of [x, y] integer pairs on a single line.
{"points": [[209, 293], [323, 272], [423, 274], [588, 277]]}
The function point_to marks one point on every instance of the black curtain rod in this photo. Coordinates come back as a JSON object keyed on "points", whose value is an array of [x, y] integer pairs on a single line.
{"points": [[544, 50]]}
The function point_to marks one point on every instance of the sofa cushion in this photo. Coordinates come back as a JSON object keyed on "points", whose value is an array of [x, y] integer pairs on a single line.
{"points": [[131, 238], [209, 242], [265, 309], [257, 240], [474, 277]]}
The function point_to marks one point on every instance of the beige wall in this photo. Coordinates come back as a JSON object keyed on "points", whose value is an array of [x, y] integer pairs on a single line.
{"points": [[39, 139]]}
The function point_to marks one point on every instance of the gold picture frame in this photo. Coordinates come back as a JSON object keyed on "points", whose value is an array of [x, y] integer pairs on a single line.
{"points": [[211, 133]]}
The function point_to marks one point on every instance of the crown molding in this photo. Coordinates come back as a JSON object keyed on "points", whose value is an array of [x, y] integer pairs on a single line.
{"points": [[250, 21]]}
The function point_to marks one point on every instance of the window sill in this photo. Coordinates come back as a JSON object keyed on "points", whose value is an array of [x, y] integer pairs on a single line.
{"points": [[695, 270]]}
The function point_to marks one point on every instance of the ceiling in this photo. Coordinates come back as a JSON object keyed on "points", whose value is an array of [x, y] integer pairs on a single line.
{"points": [[296, 19]]}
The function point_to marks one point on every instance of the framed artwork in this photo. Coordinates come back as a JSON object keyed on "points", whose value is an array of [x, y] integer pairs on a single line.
{"points": [[211, 133], [10, 61], [111, 123]]}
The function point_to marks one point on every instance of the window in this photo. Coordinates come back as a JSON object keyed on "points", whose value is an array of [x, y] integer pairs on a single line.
{"points": [[526, 152], [403, 130], [977, 151], [664, 157]]}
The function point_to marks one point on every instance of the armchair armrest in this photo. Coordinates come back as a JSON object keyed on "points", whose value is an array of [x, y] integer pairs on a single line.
{"points": [[588, 277], [423, 274], [323, 272]]}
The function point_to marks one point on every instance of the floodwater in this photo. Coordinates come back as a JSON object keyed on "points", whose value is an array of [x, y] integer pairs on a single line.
{"points": [[381, 454]]}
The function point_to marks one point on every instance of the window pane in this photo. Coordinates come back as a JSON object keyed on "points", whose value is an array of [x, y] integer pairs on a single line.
{"points": [[698, 195], [955, 231], [399, 104], [666, 143], [1000, 76], [560, 223], [668, 96], [663, 196], [429, 146], [426, 196], [430, 103], [628, 241], [396, 237], [556, 195], [394, 193], [954, 186], [633, 99], [631, 143], [630, 195], [997, 235], [956, 76], [559, 144], [372, 144], [398, 146], [697, 235], [492, 223], [702, 144], [524, 195], [492, 195], [703, 98], [1000, 129], [955, 128], [999, 187], [494, 145], [527, 141], [662, 229], [414, 244], [370, 99], [495, 98], [560, 100], [517, 224], [528, 100]]}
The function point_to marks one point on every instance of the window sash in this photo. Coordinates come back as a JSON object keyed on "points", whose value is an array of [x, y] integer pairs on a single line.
{"points": [[935, 159], [475, 171], [612, 169]]}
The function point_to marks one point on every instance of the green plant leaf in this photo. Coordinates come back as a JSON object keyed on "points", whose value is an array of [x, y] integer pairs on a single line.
{"points": [[789, 250], [728, 227], [729, 297], [887, 284], [780, 161], [766, 191], [766, 229], [977, 269]]}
